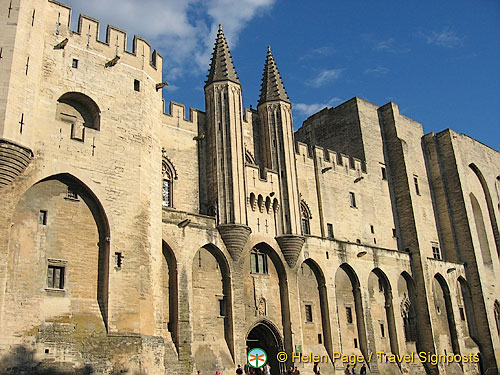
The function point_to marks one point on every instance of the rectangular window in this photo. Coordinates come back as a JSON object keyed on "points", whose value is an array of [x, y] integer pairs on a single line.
{"points": [[137, 85], [436, 253], [320, 339], [384, 173], [329, 228], [74, 64], [222, 307], [167, 193], [118, 260], [417, 189], [348, 313], [462, 313], [352, 198], [394, 232], [305, 226], [258, 262], [380, 285], [42, 219], [355, 343], [309, 315], [55, 277], [382, 329], [372, 229]]}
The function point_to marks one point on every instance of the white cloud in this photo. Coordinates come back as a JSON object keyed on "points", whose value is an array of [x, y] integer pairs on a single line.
{"points": [[325, 76], [389, 45], [377, 71], [183, 30], [445, 38], [309, 109]]}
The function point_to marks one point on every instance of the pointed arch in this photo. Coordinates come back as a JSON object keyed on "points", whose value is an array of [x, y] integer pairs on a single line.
{"points": [[224, 310], [469, 312], [305, 217], [385, 285], [169, 174], [323, 303], [489, 204], [172, 297], [346, 270], [450, 318], [58, 196], [278, 264], [481, 231]]}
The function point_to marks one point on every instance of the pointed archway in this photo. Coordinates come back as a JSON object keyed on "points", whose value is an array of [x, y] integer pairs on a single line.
{"points": [[264, 335]]}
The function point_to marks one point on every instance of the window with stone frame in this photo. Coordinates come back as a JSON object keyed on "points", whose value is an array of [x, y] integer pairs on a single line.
{"points": [[56, 274], [258, 262], [169, 176], [305, 217]]}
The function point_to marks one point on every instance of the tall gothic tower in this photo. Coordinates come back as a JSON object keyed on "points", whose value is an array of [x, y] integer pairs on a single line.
{"points": [[225, 150], [277, 150]]}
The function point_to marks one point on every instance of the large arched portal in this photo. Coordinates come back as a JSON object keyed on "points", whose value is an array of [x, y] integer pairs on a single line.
{"points": [[265, 336], [61, 233]]}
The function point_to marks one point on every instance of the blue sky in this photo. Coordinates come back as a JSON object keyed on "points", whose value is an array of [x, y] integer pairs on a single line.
{"points": [[438, 60]]}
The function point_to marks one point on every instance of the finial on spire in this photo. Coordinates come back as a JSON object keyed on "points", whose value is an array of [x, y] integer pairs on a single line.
{"points": [[221, 65], [272, 86]]}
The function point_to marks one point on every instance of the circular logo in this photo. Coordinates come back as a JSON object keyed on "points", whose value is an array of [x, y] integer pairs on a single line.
{"points": [[257, 357]]}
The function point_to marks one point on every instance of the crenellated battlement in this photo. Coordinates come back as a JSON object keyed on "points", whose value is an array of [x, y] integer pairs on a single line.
{"points": [[58, 22], [176, 116], [339, 162]]}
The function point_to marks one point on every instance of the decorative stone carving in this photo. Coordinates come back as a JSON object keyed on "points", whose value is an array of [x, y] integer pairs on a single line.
{"points": [[291, 245], [235, 237]]}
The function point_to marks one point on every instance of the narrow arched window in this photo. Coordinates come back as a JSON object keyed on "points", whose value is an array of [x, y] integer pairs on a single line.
{"points": [[305, 217], [169, 175]]}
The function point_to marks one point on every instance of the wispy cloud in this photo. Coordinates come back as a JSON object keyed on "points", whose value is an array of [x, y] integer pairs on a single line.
{"points": [[184, 31], [377, 71], [445, 38], [309, 109], [386, 45], [324, 77]]}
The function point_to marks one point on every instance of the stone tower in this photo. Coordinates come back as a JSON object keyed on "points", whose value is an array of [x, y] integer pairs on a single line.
{"points": [[225, 151], [277, 149]]}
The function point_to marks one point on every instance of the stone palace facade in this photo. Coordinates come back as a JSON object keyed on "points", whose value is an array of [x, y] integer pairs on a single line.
{"points": [[143, 242]]}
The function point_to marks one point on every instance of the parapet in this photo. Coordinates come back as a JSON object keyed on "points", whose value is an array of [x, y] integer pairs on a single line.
{"points": [[87, 36], [339, 162], [176, 116]]}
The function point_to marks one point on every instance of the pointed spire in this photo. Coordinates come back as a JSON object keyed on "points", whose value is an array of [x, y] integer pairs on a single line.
{"points": [[272, 86], [221, 66]]}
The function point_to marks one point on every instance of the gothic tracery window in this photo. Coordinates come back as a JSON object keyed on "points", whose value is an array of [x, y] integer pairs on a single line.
{"points": [[305, 217], [169, 175]]}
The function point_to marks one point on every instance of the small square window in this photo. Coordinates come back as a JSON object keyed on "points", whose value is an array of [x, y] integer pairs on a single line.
{"points": [[42, 219], [348, 313], [74, 64], [352, 198], [436, 253], [71, 193], [137, 85], [329, 228], [55, 277], [309, 316], [384, 173]]}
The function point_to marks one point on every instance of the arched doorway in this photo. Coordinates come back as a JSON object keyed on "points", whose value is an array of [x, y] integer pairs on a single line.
{"points": [[265, 336]]}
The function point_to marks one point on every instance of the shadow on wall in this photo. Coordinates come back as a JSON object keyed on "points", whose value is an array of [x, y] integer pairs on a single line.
{"points": [[21, 361]]}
